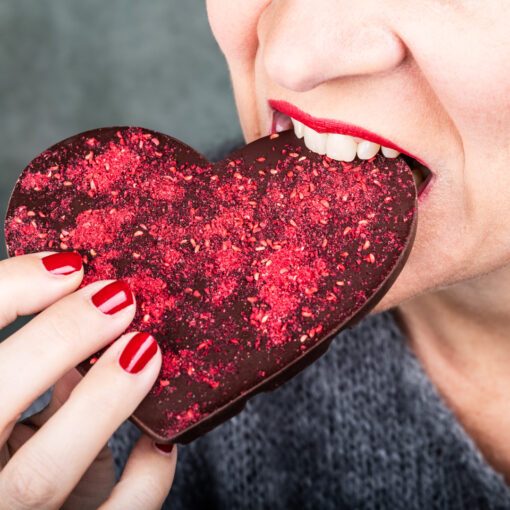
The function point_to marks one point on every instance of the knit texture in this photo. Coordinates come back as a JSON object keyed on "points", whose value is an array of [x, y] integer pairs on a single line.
{"points": [[362, 428]]}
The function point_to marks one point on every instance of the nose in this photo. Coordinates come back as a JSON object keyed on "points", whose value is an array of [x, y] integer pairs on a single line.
{"points": [[304, 46]]}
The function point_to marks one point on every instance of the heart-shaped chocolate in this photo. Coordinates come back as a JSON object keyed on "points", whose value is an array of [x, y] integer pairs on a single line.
{"points": [[243, 270]]}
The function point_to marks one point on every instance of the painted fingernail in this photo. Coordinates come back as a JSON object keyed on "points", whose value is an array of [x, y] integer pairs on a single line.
{"points": [[138, 352], [113, 298], [165, 448], [62, 264]]}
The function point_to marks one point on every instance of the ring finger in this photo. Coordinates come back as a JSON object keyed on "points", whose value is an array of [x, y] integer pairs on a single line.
{"points": [[45, 469]]}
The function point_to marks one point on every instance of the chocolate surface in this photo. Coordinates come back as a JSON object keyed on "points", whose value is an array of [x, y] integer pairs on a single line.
{"points": [[243, 270]]}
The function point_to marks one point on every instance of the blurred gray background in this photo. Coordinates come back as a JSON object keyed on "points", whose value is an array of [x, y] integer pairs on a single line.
{"points": [[68, 65]]}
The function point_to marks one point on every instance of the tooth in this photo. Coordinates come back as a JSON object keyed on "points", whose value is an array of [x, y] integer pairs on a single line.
{"points": [[299, 128], [389, 153], [281, 122], [341, 147], [316, 142], [367, 150]]}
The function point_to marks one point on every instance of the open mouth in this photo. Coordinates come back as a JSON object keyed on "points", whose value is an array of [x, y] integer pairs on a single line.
{"points": [[342, 142]]}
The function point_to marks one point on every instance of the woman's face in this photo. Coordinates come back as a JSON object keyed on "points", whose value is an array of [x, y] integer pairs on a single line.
{"points": [[430, 76]]}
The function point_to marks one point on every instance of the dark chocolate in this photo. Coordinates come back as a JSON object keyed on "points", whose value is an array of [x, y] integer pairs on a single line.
{"points": [[243, 270]]}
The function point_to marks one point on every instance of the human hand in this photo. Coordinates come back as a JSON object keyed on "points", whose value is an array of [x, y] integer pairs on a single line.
{"points": [[59, 458]]}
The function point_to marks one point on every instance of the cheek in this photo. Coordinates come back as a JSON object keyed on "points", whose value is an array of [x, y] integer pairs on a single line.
{"points": [[475, 94], [470, 75], [234, 25]]}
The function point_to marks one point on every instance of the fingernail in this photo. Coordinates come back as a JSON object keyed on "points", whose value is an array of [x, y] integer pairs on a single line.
{"points": [[137, 352], [62, 264], [113, 298], [164, 448]]}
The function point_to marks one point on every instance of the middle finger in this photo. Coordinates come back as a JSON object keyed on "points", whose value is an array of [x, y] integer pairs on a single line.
{"points": [[59, 338]]}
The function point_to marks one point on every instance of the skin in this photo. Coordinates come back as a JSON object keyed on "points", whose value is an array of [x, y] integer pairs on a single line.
{"points": [[59, 458], [433, 76]]}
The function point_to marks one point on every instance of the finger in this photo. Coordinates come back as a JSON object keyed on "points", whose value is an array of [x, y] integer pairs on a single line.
{"points": [[30, 283], [63, 388], [60, 393], [59, 338], [146, 480], [48, 467]]}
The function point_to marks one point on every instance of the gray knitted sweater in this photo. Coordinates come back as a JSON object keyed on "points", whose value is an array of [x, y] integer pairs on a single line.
{"points": [[361, 428]]}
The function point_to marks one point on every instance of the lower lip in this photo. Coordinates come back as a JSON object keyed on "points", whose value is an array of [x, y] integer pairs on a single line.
{"points": [[426, 186]]}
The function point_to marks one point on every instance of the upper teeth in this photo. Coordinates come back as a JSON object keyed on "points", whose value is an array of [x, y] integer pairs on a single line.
{"points": [[340, 147]]}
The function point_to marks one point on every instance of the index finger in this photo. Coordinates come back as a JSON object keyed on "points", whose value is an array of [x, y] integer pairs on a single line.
{"points": [[30, 283]]}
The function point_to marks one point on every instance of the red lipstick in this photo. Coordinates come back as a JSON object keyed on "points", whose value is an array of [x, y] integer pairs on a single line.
{"points": [[322, 125]]}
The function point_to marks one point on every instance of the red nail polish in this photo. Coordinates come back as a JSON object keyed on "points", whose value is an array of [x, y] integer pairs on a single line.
{"points": [[137, 353], [113, 298], [165, 448], [62, 264]]}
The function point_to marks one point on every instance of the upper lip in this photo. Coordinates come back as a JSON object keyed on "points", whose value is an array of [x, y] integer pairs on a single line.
{"points": [[323, 125]]}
